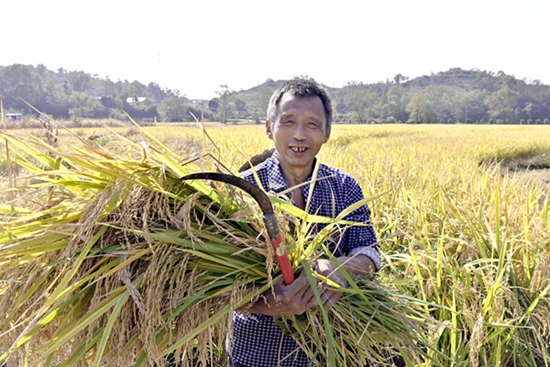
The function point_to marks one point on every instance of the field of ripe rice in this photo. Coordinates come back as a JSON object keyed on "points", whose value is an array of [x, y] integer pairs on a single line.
{"points": [[465, 232]]}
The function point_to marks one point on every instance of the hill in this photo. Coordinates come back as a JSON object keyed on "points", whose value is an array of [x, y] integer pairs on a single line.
{"points": [[453, 96]]}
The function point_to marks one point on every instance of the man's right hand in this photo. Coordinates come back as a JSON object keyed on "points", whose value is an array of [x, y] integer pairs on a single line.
{"points": [[295, 298]]}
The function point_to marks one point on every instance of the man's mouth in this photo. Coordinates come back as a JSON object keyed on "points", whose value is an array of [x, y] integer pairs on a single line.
{"points": [[298, 149]]}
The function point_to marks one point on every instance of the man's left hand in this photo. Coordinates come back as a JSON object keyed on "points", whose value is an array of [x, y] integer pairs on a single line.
{"points": [[359, 265], [328, 269]]}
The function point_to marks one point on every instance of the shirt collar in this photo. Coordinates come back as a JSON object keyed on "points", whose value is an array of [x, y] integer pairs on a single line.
{"points": [[277, 182]]}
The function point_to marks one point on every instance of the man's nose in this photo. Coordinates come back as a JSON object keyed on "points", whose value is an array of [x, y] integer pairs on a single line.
{"points": [[300, 132]]}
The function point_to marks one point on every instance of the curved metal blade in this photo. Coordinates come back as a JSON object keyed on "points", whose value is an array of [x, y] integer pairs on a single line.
{"points": [[269, 217], [254, 191]]}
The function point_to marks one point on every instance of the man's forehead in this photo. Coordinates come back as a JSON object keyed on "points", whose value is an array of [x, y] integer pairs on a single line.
{"points": [[287, 105]]}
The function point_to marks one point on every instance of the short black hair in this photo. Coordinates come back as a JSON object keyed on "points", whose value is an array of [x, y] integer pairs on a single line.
{"points": [[300, 88]]}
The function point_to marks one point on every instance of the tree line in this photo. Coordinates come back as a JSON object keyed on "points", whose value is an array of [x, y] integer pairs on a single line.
{"points": [[453, 96], [63, 94]]}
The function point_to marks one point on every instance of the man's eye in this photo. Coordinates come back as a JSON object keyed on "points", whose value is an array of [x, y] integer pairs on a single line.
{"points": [[314, 125], [287, 123]]}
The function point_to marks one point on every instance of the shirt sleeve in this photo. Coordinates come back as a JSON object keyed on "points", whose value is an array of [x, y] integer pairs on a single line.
{"points": [[360, 238], [371, 252]]}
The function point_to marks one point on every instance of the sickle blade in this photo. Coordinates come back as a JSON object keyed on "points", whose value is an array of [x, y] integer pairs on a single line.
{"points": [[254, 191], [270, 219]]}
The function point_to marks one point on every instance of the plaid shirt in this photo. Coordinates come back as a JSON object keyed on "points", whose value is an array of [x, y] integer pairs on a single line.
{"points": [[257, 341]]}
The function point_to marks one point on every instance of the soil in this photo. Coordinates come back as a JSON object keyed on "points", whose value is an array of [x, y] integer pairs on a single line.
{"points": [[535, 168]]}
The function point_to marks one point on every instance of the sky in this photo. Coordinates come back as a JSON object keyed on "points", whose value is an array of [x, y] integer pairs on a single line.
{"points": [[197, 46]]}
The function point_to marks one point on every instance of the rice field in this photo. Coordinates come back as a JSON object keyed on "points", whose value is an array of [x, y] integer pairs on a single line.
{"points": [[458, 231]]}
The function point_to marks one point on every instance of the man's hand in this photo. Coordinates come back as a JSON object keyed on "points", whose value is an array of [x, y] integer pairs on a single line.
{"points": [[295, 298], [328, 269], [299, 297]]}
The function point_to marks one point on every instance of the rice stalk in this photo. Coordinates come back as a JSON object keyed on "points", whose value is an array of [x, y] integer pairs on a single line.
{"points": [[121, 263], [8, 159]]}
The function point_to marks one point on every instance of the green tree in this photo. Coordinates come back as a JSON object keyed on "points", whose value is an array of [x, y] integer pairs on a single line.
{"points": [[155, 93], [108, 88], [398, 78], [470, 105], [502, 103], [134, 89], [224, 104], [420, 109], [259, 110], [82, 105], [528, 109], [395, 106], [27, 92], [173, 109], [442, 99], [240, 107], [80, 82], [360, 102]]}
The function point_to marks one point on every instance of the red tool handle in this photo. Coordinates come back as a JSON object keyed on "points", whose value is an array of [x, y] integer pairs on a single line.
{"points": [[269, 218], [282, 258], [280, 252]]}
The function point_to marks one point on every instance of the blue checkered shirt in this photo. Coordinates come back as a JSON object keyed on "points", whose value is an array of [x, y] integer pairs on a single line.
{"points": [[257, 341]]}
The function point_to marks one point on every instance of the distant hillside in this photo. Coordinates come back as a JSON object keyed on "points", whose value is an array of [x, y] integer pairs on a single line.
{"points": [[453, 96], [456, 95]]}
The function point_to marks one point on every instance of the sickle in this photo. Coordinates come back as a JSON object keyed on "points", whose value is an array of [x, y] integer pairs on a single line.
{"points": [[269, 217]]}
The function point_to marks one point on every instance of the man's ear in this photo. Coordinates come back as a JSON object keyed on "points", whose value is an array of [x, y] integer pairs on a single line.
{"points": [[327, 135], [268, 129]]}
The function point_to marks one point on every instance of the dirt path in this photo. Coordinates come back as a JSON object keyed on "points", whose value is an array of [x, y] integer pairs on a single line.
{"points": [[535, 168]]}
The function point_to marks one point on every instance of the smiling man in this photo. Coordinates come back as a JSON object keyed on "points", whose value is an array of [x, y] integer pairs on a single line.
{"points": [[299, 120]]}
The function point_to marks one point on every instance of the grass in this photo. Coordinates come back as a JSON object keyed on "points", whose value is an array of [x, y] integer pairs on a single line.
{"points": [[474, 241]]}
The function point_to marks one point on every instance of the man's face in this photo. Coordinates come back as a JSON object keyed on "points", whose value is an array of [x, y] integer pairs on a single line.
{"points": [[299, 131]]}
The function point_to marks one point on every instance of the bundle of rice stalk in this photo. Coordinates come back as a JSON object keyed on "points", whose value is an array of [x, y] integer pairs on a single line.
{"points": [[116, 261]]}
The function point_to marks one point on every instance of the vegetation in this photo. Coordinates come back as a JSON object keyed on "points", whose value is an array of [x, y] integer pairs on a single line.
{"points": [[120, 262], [469, 241], [453, 96]]}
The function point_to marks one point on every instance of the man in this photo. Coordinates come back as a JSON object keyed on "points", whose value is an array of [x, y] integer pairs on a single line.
{"points": [[299, 120]]}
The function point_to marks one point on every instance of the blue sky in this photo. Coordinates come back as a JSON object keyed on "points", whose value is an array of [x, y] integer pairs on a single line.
{"points": [[195, 46]]}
